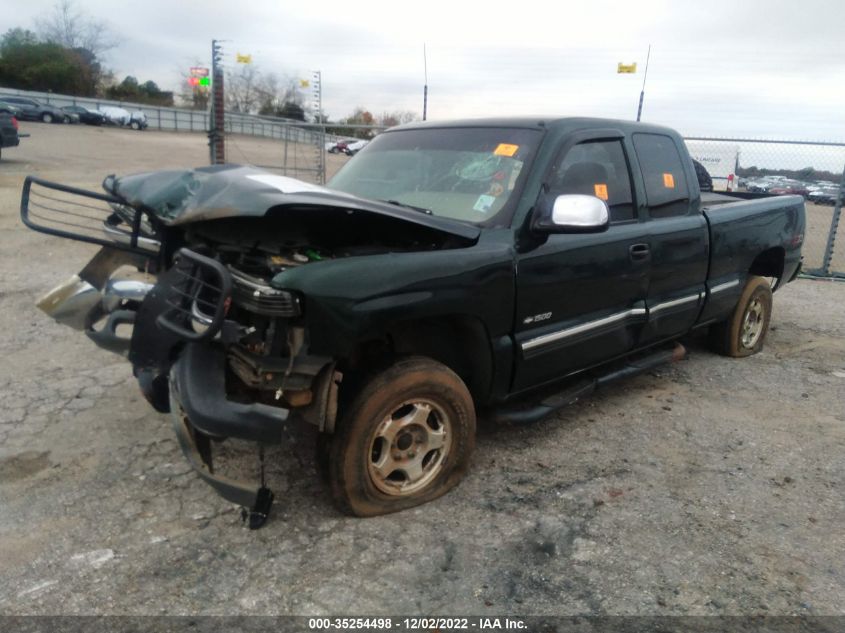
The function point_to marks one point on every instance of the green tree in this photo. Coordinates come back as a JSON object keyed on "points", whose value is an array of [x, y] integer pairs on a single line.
{"points": [[28, 64], [148, 92]]}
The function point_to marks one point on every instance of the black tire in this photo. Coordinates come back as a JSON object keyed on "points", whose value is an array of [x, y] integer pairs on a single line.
{"points": [[135, 125], [46, 117], [428, 412], [705, 182], [744, 332], [322, 455]]}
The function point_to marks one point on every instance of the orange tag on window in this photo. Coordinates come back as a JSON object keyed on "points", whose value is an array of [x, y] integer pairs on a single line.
{"points": [[601, 191], [504, 149], [669, 181]]}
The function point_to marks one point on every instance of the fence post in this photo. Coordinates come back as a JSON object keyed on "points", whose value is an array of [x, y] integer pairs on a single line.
{"points": [[834, 227]]}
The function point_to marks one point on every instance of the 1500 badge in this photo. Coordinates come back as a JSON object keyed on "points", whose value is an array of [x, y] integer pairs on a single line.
{"points": [[537, 317]]}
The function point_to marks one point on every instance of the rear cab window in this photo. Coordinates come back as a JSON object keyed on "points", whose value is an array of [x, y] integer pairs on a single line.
{"points": [[667, 193]]}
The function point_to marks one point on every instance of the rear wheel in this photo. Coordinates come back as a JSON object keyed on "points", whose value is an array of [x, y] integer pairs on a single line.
{"points": [[47, 117], [744, 333], [406, 439], [135, 125]]}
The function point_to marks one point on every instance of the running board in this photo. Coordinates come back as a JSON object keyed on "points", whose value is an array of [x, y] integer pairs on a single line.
{"points": [[580, 390]]}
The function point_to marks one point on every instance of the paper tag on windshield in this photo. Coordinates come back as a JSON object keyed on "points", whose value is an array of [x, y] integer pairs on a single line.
{"points": [[484, 203], [505, 149], [669, 181]]}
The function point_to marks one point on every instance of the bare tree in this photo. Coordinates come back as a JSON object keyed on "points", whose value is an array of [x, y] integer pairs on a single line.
{"points": [[243, 89], [389, 119], [69, 26]]}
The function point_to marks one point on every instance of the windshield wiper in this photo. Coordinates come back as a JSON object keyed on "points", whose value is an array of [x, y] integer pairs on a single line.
{"points": [[409, 206]]}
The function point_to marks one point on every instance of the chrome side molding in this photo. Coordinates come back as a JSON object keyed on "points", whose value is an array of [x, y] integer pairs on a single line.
{"points": [[552, 337]]}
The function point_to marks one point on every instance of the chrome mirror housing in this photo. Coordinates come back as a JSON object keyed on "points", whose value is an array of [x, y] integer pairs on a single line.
{"points": [[580, 213]]}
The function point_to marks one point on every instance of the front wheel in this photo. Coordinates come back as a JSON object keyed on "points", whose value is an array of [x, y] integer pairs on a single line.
{"points": [[47, 117], [406, 439], [135, 125], [745, 330]]}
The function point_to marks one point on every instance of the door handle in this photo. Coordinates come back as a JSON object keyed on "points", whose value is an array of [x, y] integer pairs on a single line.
{"points": [[639, 252]]}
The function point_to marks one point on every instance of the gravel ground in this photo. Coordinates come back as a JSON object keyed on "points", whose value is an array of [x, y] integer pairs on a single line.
{"points": [[712, 486]]}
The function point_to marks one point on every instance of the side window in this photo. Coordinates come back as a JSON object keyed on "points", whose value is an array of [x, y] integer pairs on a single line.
{"points": [[663, 172], [597, 168]]}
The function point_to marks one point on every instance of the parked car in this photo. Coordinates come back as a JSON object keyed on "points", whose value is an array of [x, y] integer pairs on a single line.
{"points": [[338, 147], [449, 268], [353, 148], [788, 188], [8, 131], [86, 116], [32, 110], [826, 196], [10, 109], [138, 120], [758, 186], [114, 115]]}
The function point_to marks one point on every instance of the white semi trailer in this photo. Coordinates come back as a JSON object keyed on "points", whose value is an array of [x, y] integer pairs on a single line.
{"points": [[720, 160]]}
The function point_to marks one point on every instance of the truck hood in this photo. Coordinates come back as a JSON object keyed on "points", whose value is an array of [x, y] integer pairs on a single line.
{"points": [[225, 191]]}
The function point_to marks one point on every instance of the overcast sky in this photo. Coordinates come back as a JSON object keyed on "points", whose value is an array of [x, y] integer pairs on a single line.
{"points": [[761, 68]]}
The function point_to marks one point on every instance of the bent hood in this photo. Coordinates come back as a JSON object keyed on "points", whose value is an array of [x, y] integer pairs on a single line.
{"points": [[225, 191]]}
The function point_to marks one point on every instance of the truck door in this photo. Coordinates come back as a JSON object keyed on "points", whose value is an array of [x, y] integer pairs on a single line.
{"points": [[678, 239], [581, 297]]}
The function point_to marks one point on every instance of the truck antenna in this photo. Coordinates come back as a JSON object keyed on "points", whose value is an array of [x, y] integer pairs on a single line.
{"points": [[425, 86], [645, 76]]}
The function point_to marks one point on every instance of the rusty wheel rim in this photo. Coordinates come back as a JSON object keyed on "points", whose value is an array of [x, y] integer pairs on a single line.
{"points": [[409, 447], [752, 324]]}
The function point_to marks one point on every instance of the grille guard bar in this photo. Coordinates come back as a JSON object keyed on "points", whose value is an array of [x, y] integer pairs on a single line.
{"points": [[84, 216]]}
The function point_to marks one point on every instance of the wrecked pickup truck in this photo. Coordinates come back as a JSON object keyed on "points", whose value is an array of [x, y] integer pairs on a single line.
{"points": [[507, 265]]}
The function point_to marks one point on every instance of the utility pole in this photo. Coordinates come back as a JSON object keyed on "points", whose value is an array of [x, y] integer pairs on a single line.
{"points": [[425, 86], [216, 120], [645, 76], [317, 87]]}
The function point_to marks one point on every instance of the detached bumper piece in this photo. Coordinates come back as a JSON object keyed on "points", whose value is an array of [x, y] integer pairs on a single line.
{"points": [[200, 411]]}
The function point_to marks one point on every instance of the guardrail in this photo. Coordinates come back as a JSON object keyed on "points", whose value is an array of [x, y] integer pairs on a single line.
{"points": [[184, 119]]}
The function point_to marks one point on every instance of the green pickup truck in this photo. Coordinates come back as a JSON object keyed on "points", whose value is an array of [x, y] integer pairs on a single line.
{"points": [[505, 266]]}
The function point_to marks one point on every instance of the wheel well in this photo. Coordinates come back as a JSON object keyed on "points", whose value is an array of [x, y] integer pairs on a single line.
{"points": [[458, 341], [769, 263]]}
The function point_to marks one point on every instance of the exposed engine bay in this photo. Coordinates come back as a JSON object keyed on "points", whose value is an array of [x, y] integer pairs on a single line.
{"points": [[189, 286]]}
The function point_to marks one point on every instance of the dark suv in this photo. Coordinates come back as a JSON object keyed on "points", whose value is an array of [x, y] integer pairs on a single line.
{"points": [[32, 110]]}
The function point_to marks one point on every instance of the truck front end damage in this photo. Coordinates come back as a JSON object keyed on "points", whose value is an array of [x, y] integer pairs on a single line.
{"points": [[182, 287]]}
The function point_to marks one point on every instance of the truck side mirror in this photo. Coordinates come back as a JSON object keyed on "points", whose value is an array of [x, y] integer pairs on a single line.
{"points": [[572, 213]]}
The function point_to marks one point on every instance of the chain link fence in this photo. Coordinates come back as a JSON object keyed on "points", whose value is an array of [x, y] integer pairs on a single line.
{"points": [[815, 170]]}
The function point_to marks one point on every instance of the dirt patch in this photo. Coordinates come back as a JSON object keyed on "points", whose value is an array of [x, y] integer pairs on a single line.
{"points": [[23, 465]]}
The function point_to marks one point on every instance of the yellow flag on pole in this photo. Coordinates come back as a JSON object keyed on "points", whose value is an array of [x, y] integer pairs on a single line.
{"points": [[626, 68]]}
